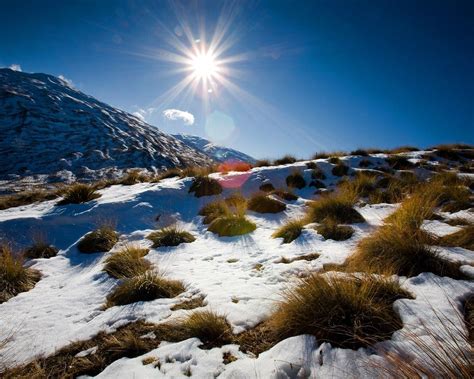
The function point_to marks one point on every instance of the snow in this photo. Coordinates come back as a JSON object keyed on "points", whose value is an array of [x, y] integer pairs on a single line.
{"points": [[66, 305]]}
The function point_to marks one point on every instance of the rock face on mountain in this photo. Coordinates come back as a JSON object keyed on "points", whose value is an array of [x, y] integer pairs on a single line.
{"points": [[49, 128], [216, 152]]}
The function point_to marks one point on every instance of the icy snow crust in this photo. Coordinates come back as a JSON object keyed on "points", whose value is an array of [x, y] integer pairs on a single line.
{"points": [[66, 304]]}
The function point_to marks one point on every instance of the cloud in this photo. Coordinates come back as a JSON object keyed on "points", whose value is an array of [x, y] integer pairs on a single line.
{"points": [[176, 114], [66, 80], [15, 67], [143, 114]]}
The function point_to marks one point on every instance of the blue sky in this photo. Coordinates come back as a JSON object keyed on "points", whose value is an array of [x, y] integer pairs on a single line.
{"points": [[312, 75]]}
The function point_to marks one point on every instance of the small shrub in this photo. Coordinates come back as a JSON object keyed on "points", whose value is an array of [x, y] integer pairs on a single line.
{"points": [[311, 165], [340, 169], [462, 238], [145, 287], [40, 249], [26, 197], [79, 193], [295, 180], [337, 207], [205, 186], [365, 163], [403, 149], [263, 163], [334, 160], [232, 225], [398, 162], [127, 262], [237, 203], [229, 166], [261, 203], [289, 231], [100, 240], [134, 177], [210, 327], [361, 186], [346, 312], [287, 159], [170, 236], [317, 173], [14, 278], [317, 183], [285, 195], [213, 210], [331, 230], [267, 187], [360, 152]]}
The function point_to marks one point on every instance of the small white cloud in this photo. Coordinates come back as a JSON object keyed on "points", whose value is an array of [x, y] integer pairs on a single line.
{"points": [[176, 114], [15, 67], [66, 80], [139, 115], [143, 114]]}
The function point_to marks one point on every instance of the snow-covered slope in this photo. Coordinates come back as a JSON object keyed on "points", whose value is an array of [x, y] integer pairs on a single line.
{"points": [[216, 152], [46, 127]]}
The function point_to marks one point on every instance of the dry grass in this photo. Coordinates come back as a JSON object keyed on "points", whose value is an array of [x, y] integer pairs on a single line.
{"points": [[340, 169], [346, 312], [205, 186], [329, 229], [399, 162], [290, 231], [261, 203], [263, 163], [14, 278], [193, 303], [306, 257], [100, 240], [145, 287], [134, 177], [295, 180], [462, 238], [229, 166], [127, 263], [458, 221], [40, 249], [267, 187], [27, 197], [213, 210], [210, 327], [285, 195], [335, 206], [79, 193], [170, 236], [317, 173], [361, 186], [231, 225], [360, 152], [287, 159]]}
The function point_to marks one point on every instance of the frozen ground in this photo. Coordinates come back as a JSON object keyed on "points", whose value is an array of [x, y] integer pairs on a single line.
{"points": [[66, 304]]}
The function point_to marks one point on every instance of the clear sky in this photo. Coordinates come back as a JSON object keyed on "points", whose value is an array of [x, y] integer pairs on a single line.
{"points": [[290, 77]]}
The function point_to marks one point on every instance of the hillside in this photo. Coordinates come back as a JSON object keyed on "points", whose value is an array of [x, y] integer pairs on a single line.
{"points": [[246, 278]]}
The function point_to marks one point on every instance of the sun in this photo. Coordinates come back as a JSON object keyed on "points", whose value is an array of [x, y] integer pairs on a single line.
{"points": [[204, 66]]}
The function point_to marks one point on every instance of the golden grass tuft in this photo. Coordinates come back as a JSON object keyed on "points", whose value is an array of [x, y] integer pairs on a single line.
{"points": [[213, 210], [231, 225], [399, 162], [40, 249], [205, 186], [290, 231], [261, 203], [295, 180], [14, 278], [144, 287], [340, 169], [170, 236], [329, 229], [462, 238], [336, 206], [79, 193], [287, 159], [127, 262], [100, 240], [348, 312], [27, 197], [134, 177], [285, 195], [210, 327], [361, 186]]}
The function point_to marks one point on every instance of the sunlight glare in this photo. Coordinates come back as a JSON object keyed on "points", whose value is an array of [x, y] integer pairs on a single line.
{"points": [[204, 66]]}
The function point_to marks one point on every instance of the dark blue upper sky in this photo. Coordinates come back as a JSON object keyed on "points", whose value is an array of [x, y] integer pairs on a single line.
{"points": [[315, 75]]}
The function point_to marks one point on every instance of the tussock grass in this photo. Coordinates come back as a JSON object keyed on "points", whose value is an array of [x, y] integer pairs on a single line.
{"points": [[403, 149], [14, 278], [79, 193], [236, 203], [127, 262], [325, 155], [100, 240], [145, 287], [267, 187], [229, 166], [210, 327], [261, 203], [346, 312], [27, 197], [311, 165], [361, 186], [295, 180], [336, 206], [213, 210], [317, 183], [360, 152], [317, 173], [340, 169], [196, 302], [290, 231], [462, 238], [287, 159], [365, 163], [329, 229], [458, 221], [306, 257], [399, 162], [170, 236], [285, 195], [205, 186], [231, 225], [134, 177], [263, 163], [40, 249]]}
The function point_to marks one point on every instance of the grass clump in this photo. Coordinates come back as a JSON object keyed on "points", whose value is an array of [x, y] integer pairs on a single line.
{"points": [[287, 159], [340, 169], [40, 249], [127, 263], [295, 180], [346, 312], [360, 152], [337, 207], [134, 177], [170, 236], [261, 203], [100, 240], [231, 225], [144, 287], [289, 231], [210, 327], [14, 278], [213, 210], [79, 193], [267, 187], [262, 163], [331, 230], [462, 238], [26, 197], [205, 186], [317, 173], [398, 162], [361, 186], [285, 195]]}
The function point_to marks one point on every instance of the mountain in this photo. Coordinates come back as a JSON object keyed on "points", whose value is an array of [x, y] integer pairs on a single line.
{"points": [[216, 152], [49, 128]]}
